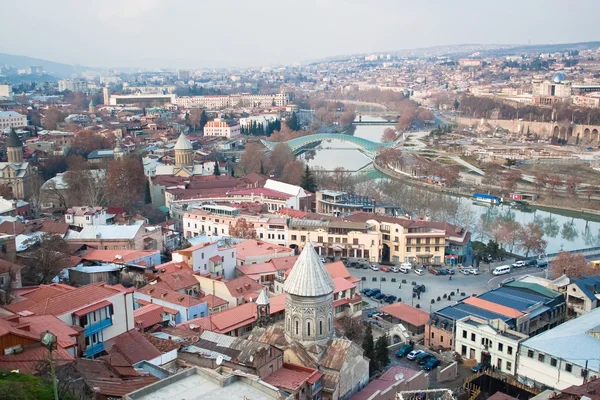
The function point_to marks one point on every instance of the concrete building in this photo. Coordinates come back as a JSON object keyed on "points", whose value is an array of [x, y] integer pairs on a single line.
{"points": [[12, 119], [563, 356], [222, 128], [5, 90], [209, 259], [491, 343], [73, 85], [180, 307], [336, 203], [143, 100]]}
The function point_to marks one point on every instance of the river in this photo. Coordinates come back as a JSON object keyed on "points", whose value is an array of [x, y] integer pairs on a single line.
{"points": [[562, 230]]}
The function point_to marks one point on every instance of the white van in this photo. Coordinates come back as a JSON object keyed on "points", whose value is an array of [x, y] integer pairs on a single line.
{"points": [[406, 265], [501, 270]]}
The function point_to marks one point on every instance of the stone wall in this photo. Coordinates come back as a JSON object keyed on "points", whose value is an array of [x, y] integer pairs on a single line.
{"points": [[447, 374]]}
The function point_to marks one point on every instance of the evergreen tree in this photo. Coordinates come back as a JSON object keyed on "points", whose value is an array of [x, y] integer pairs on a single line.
{"points": [[147, 197], [216, 170], [292, 122], [369, 349], [308, 181], [262, 168], [381, 351], [203, 120]]}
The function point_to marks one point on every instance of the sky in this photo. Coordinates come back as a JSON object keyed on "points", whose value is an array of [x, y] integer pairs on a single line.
{"points": [[241, 33]]}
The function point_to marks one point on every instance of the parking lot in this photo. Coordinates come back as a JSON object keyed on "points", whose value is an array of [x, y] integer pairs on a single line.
{"points": [[436, 285]]}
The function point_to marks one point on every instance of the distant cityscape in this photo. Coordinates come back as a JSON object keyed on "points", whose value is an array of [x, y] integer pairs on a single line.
{"points": [[420, 224]]}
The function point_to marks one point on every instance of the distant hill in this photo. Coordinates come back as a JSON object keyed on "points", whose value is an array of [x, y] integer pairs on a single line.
{"points": [[57, 69]]}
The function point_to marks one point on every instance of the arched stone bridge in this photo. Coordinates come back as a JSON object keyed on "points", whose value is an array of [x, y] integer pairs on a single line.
{"points": [[368, 147]]}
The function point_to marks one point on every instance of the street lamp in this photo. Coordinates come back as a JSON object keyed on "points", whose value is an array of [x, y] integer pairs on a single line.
{"points": [[48, 340]]}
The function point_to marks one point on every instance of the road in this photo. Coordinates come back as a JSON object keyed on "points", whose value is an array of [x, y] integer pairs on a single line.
{"points": [[436, 286]]}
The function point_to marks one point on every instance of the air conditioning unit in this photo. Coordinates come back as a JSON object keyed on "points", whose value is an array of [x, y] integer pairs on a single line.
{"points": [[13, 350]]}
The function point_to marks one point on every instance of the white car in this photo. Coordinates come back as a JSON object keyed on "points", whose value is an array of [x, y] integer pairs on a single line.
{"points": [[395, 269], [465, 271], [413, 354], [374, 267], [404, 270], [419, 271], [519, 264], [474, 271]]}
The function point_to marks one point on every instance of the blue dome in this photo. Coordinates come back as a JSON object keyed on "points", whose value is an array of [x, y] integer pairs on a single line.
{"points": [[558, 77]]}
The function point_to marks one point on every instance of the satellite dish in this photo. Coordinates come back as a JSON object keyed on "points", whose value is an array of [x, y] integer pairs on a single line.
{"points": [[192, 326], [219, 359], [399, 376], [251, 358]]}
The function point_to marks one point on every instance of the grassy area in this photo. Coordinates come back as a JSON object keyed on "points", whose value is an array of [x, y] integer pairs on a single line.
{"points": [[24, 387]]}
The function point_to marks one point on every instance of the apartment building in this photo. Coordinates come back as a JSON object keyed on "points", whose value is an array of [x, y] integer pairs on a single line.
{"points": [[73, 85], [490, 343], [333, 237], [101, 310], [528, 308], [234, 100], [222, 128], [12, 119], [180, 307], [563, 356]]}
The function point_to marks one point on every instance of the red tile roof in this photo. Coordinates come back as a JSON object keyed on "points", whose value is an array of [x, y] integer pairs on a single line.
{"points": [[30, 360], [277, 303], [172, 266], [93, 307], [292, 376], [224, 321], [342, 284], [178, 280], [260, 192], [118, 256], [147, 316], [6, 266], [100, 377], [170, 296], [214, 301], [407, 313], [240, 287], [32, 326], [133, 346], [253, 247]]}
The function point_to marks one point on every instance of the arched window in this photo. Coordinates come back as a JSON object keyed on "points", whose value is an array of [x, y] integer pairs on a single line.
{"points": [[297, 327], [320, 327], [329, 322], [308, 327], [288, 324]]}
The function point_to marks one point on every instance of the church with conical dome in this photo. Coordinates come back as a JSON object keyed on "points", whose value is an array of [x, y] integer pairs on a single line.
{"points": [[184, 160], [15, 173]]}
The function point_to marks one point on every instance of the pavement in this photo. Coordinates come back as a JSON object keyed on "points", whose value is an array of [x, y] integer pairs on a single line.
{"points": [[436, 285]]}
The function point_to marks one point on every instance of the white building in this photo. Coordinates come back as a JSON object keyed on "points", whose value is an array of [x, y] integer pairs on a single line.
{"points": [[563, 356], [490, 343], [209, 258], [259, 119], [81, 216], [73, 85], [5, 90], [11, 119], [222, 128]]}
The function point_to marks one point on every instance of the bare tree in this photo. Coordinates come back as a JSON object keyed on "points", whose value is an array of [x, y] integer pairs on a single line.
{"points": [[571, 185], [389, 135], [254, 160], [572, 265], [531, 239], [292, 172], [44, 260], [352, 327], [242, 229], [281, 156], [7, 289]]}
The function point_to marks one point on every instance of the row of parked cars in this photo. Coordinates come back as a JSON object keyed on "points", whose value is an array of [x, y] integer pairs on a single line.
{"points": [[377, 295], [427, 360]]}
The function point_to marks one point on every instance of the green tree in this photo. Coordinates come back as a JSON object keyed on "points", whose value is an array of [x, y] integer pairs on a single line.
{"points": [[308, 181], [147, 196], [292, 122], [381, 351], [368, 346], [203, 119], [217, 171], [262, 168]]}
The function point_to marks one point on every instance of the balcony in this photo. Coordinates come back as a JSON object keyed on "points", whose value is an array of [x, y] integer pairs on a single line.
{"points": [[98, 326], [94, 349]]}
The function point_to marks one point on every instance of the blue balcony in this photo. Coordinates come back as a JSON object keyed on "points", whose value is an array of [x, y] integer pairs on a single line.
{"points": [[94, 349], [98, 326]]}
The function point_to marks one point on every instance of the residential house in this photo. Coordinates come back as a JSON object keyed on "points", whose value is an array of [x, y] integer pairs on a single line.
{"points": [[396, 379], [10, 272], [266, 272], [295, 380], [236, 291], [252, 251], [146, 258], [86, 215], [583, 295], [101, 310], [412, 318], [563, 356], [180, 307], [179, 281], [118, 237], [209, 259], [491, 343], [150, 315]]}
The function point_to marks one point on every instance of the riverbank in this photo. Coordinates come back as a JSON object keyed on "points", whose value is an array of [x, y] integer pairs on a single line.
{"points": [[589, 213]]}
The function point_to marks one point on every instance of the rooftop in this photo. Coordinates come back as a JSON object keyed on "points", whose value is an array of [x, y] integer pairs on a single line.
{"points": [[118, 256], [407, 313]]}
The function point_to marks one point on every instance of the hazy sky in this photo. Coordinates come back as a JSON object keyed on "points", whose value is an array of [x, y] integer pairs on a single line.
{"points": [[209, 33]]}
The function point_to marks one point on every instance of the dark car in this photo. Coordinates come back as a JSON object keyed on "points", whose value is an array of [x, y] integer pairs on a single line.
{"points": [[542, 264], [423, 357], [378, 296], [373, 292], [404, 350], [431, 363], [477, 367], [365, 290], [532, 262], [390, 298], [443, 271], [373, 314]]}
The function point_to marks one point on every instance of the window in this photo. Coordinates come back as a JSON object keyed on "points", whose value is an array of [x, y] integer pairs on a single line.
{"points": [[463, 350], [569, 367], [530, 353], [396, 248], [464, 334], [202, 256], [553, 362], [437, 248], [297, 327], [418, 249], [270, 369], [427, 249], [441, 339], [508, 366], [320, 239], [541, 357], [303, 238], [354, 241], [320, 327], [408, 249], [509, 350], [294, 237], [472, 337], [432, 335], [308, 328], [499, 364], [500, 347]]}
